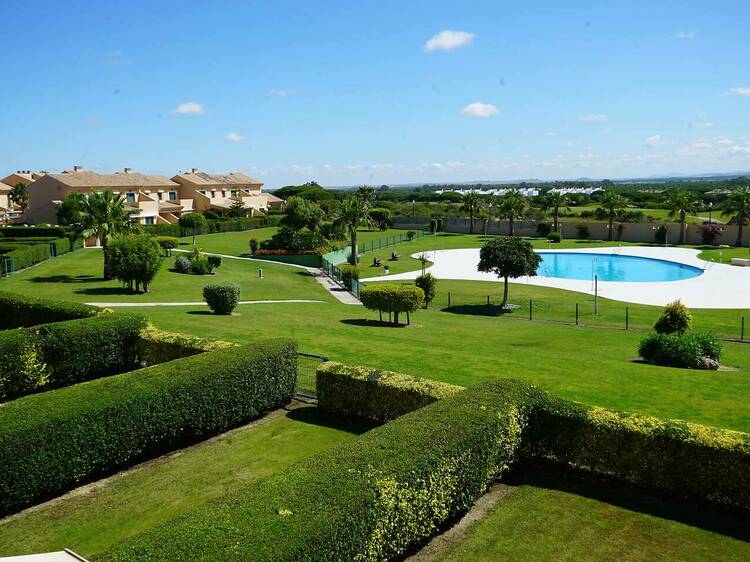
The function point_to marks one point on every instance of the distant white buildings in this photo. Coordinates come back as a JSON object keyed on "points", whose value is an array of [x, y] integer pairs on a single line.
{"points": [[576, 190], [526, 191]]}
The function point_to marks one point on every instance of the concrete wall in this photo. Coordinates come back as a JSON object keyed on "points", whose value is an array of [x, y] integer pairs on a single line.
{"points": [[634, 232]]}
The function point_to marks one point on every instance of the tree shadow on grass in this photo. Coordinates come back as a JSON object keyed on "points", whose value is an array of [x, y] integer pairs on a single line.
{"points": [[478, 310], [107, 291], [313, 415], [66, 279], [371, 323], [553, 476], [202, 312]]}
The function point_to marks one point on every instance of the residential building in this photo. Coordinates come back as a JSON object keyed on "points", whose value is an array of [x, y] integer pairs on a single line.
{"points": [[8, 210], [25, 177], [218, 192]]}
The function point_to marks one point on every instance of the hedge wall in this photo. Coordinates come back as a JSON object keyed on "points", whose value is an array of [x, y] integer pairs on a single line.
{"points": [[19, 311], [56, 440], [32, 231], [376, 395], [214, 225], [24, 255], [367, 499], [64, 353], [156, 346]]}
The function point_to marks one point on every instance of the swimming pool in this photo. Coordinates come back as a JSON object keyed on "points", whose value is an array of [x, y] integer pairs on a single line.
{"points": [[612, 267]]}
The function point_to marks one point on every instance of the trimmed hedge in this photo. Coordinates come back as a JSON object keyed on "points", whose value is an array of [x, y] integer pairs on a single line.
{"points": [[56, 440], [392, 299], [213, 225], [222, 298], [157, 346], [68, 352], [373, 394], [20, 311], [369, 498], [32, 231], [25, 255], [690, 351]]}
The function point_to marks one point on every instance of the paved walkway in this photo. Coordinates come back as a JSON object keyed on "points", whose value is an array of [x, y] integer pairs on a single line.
{"points": [[341, 294], [127, 304], [719, 286]]}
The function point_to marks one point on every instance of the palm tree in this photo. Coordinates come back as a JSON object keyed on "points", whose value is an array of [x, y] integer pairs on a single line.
{"points": [[472, 203], [19, 195], [556, 201], [738, 205], [353, 213], [367, 193], [513, 206], [680, 203], [105, 215], [612, 202]]}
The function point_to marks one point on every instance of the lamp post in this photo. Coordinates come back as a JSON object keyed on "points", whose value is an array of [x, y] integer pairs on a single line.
{"points": [[710, 208], [412, 207]]}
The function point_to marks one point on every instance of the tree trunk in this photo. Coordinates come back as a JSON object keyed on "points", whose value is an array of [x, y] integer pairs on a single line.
{"points": [[682, 228], [611, 226], [471, 223], [739, 232], [193, 236], [486, 224], [510, 225], [505, 293], [395, 317], [353, 256], [105, 251], [556, 216]]}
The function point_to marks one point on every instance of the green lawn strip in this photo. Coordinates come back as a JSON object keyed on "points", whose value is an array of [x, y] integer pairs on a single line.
{"points": [[659, 215], [90, 519], [228, 243], [563, 517], [78, 277], [591, 365]]}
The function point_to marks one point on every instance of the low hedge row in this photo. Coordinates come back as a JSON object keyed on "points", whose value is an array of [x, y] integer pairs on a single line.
{"points": [[53, 441], [213, 226], [25, 255], [65, 353], [370, 498], [376, 395], [32, 231], [19, 311], [157, 346]]}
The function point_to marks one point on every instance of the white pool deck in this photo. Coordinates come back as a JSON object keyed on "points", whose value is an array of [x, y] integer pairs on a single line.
{"points": [[719, 286]]}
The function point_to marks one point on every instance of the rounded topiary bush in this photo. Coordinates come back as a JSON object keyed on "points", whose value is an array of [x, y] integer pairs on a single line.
{"points": [[675, 319], [693, 351], [392, 299], [222, 298], [554, 237], [201, 267], [214, 261], [182, 264]]}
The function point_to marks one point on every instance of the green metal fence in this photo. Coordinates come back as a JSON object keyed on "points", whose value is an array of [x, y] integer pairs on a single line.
{"points": [[307, 365]]}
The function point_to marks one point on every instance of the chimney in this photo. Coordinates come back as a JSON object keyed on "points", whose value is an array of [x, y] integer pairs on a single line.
{"points": [[126, 170], [76, 168], [194, 170]]}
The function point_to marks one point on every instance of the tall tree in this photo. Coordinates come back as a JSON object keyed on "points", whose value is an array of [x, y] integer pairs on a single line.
{"points": [[69, 213], [19, 195], [105, 215], [555, 202], [612, 202], [237, 209], [513, 206], [509, 258], [472, 203], [353, 213], [738, 205], [367, 193], [192, 220], [680, 203]]}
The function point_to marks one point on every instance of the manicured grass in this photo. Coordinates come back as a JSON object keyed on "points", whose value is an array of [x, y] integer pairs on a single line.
{"points": [[228, 243], [591, 365], [659, 215], [559, 516], [78, 277], [92, 518]]}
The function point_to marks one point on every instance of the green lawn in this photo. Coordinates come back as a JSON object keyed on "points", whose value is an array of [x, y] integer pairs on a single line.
{"points": [[90, 519], [658, 215], [559, 516], [78, 277]]}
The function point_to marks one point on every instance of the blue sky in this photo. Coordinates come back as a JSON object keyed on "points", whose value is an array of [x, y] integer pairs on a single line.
{"points": [[377, 92]]}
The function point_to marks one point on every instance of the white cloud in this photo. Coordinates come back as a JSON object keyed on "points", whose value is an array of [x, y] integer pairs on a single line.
{"points": [[479, 109], [592, 117], [233, 137], [706, 125], [654, 141], [686, 35], [190, 108], [448, 40], [550, 134], [279, 93], [744, 91]]}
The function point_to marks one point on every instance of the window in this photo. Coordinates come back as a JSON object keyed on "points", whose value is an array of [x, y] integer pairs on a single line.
{"points": [[159, 196], [148, 220], [223, 193], [173, 196], [234, 193], [130, 197]]}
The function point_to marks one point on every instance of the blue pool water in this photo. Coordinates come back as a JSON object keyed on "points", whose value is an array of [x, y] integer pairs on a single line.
{"points": [[608, 267]]}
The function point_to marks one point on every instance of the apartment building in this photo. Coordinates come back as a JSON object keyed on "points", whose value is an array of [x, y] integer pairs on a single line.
{"points": [[219, 191], [8, 210], [25, 177]]}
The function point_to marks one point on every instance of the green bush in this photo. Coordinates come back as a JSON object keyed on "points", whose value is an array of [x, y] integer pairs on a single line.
{"points": [[167, 243], [32, 232], [25, 255], [554, 237], [370, 498], [182, 264], [372, 394], [20, 311], [681, 350], [214, 261], [349, 273], [675, 319], [200, 267], [543, 228], [660, 234], [53, 441], [157, 346], [582, 231], [134, 260], [253, 245], [411, 235], [222, 298], [71, 351], [428, 283], [392, 299]]}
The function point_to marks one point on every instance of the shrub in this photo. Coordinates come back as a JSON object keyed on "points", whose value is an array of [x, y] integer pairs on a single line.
{"points": [[53, 441], [31, 231], [25, 255], [182, 264], [200, 267], [393, 299], [222, 298], [411, 235], [214, 261], [157, 346], [193, 222], [436, 225], [167, 243], [582, 232], [554, 237], [383, 218], [428, 283], [349, 273], [543, 228], [679, 350], [675, 318], [20, 311], [660, 234], [253, 245], [134, 260], [372, 394], [709, 233]]}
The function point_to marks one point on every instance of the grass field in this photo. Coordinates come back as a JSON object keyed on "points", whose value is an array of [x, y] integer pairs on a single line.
{"points": [[90, 519], [554, 515]]}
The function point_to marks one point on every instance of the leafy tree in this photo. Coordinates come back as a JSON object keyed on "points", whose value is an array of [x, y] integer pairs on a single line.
{"points": [[193, 221], [135, 259], [612, 203], [472, 203], [167, 243], [367, 193], [428, 283], [19, 195], [383, 218], [69, 213], [738, 205], [674, 319], [393, 299], [513, 206], [237, 209], [508, 257], [680, 203], [105, 215], [354, 213], [555, 202], [310, 191]]}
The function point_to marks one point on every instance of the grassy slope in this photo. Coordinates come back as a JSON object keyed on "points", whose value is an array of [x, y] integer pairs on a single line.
{"points": [[549, 517], [136, 500], [77, 277]]}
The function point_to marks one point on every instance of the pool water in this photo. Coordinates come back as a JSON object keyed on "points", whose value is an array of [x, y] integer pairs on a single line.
{"points": [[612, 267]]}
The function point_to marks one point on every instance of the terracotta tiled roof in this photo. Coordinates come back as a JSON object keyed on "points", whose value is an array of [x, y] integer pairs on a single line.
{"points": [[84, 178], [202, 178]]}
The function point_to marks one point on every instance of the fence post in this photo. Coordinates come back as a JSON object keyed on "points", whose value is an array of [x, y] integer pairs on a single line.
{"points": [[576, 314], [449, 299], [627, 317], [488, 300], [531, 308], [742, 330]]}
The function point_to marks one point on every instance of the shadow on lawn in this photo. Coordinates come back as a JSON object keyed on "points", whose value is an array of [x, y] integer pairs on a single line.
{"points": [[553, 476], [371, 323], [107, 291], [66, 279], [314, 416], [478, 310]]}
